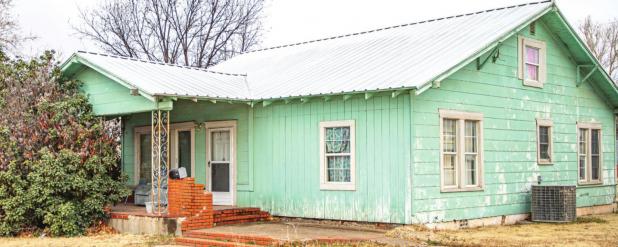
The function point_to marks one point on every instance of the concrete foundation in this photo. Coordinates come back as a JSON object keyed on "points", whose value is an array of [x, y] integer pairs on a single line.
{"points": [[147, 225], [512, 219]]}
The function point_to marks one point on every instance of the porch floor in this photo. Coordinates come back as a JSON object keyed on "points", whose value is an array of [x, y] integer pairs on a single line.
{"points": [[136, 210]]}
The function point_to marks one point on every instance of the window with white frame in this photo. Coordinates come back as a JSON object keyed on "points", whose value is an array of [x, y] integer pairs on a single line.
{"points": [[337, 160], [182, 150], [589, 153], [532, 66], [544, 141], [461, 151]]}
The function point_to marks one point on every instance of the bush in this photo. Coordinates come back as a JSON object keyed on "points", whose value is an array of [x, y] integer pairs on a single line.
{"points": [[58, 162]]}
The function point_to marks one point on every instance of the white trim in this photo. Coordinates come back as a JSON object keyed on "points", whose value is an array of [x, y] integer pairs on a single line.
{"points": [[137, 131], [218, 125], [324, 184], [544, 123], [461, 117], [589, 127], [522, 42]]}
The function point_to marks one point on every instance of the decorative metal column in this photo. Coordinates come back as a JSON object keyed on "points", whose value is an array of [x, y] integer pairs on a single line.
{"points": [[160, 159]]}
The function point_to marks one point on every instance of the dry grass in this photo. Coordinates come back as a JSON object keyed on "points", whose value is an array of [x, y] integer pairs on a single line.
{"points": [[99, 240], [600, 230]]}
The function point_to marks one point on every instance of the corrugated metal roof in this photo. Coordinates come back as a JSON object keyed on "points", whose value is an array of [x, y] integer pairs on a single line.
{"points": [[166, 79], [404, 56]]}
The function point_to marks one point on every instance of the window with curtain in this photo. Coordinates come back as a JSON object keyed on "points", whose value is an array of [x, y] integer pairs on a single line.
{"points": [[461, 150], [337, 148], [589, 153], [532, 62]]}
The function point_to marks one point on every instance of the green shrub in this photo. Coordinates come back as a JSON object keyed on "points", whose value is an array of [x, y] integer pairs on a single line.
{"points": [[58, 162]]}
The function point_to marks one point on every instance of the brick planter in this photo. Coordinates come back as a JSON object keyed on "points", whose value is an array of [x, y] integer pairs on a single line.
{"points": [[188, 199]]}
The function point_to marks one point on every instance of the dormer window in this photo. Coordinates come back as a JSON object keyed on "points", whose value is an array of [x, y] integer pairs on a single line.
{"points": [[532, 62]]}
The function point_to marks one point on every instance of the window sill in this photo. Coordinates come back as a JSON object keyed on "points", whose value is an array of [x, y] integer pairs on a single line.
{"points": [[545, 163], [338, 186], [471, 189], [530, 83], [590, 184]]}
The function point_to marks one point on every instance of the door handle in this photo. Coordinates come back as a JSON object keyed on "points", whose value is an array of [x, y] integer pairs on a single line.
{"points": [[208, 163]]}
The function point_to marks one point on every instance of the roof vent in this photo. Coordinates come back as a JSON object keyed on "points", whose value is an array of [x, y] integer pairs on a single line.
{"points": [[553, 203]]}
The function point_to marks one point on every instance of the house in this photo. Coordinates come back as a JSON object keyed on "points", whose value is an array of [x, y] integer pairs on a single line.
{"points": [[429, 122]]}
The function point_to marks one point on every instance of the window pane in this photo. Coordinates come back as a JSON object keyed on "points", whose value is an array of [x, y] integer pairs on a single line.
{"points": [[582, 167], [220, 177], [471, 136], [338, 168], [594, 141], [337, 140], [184, 150], [532, 72], [449, 169], [532, 55], [449, 135], [544, 142], [583, 138], [595, 154], [220, 145], [583, 149], [471, 169], [595, 167], [145, 172]]}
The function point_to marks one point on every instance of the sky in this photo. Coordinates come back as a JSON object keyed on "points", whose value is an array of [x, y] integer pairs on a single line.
{"points": [[287, 21]]}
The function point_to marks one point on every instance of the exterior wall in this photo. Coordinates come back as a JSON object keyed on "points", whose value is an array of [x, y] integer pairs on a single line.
{"points": [[107, 96], [281, 174], [287, 172], [188, 111], [510, 110]]}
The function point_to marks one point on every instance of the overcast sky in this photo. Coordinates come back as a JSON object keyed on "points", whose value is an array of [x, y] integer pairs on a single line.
{"points": [[288, 21]]}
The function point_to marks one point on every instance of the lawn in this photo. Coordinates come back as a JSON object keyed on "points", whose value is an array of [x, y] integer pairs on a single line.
{"points": [[99, 240], [598, 230]]}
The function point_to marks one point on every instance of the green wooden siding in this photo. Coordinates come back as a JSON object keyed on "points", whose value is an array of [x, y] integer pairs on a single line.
{"points": [[108, 97], [510, 111]]}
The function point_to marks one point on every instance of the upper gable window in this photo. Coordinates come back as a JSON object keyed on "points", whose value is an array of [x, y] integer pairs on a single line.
{"points": [[532, 62]]}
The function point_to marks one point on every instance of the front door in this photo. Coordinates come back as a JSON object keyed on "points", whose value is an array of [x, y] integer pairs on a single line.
{"points": [[221, 158]]}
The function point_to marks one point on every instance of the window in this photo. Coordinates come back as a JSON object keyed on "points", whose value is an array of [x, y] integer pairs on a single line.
{"points": [[589, 152], [532, 62], [461, 150], [544, 141], [337, 166], [182, 148]]}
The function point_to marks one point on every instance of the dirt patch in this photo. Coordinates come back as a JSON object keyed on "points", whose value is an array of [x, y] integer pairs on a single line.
{"points": [[99, 240], [600, 230]]}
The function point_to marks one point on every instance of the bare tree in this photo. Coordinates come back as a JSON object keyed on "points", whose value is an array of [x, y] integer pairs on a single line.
{"points": [[602, 39], [9, 37], [190, 32]]}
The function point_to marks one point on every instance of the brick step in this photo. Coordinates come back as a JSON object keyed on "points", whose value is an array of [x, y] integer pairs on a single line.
{"points": [[237, 211], [199, 242], [230, 237], [245, 218]]}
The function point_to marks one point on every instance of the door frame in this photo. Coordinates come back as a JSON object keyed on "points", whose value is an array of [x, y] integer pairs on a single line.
{"points": [[232, 125]]}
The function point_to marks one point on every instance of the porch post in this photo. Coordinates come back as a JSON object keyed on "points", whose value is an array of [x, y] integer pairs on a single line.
{"points": [[160, 159]]}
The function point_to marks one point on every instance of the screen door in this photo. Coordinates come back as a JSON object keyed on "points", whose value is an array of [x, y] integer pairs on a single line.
{"points": [[220, 164]]}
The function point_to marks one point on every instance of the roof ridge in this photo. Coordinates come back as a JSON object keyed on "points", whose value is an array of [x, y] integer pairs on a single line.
{"points": [[397, 26], [161, 63]]}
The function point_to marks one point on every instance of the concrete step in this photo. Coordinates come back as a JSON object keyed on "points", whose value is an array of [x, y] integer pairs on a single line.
{"points": [[199, 242]]}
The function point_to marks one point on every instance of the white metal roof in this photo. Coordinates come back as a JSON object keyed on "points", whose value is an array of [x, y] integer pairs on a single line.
{"points": [[405, 56], [166, 79]]}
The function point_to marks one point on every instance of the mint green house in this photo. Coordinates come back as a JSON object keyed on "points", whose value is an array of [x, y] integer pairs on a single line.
{"points": [[429, 122]]}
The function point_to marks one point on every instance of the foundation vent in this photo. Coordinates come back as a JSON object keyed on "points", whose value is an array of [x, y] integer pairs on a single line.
{"points": [[552, 203]]}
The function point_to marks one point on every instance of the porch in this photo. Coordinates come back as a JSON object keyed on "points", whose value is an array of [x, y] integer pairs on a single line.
{"points": [[190, 207]]}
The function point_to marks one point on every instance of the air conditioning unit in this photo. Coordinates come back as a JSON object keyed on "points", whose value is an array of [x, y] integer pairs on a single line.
{"points": [[553, 203]]}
